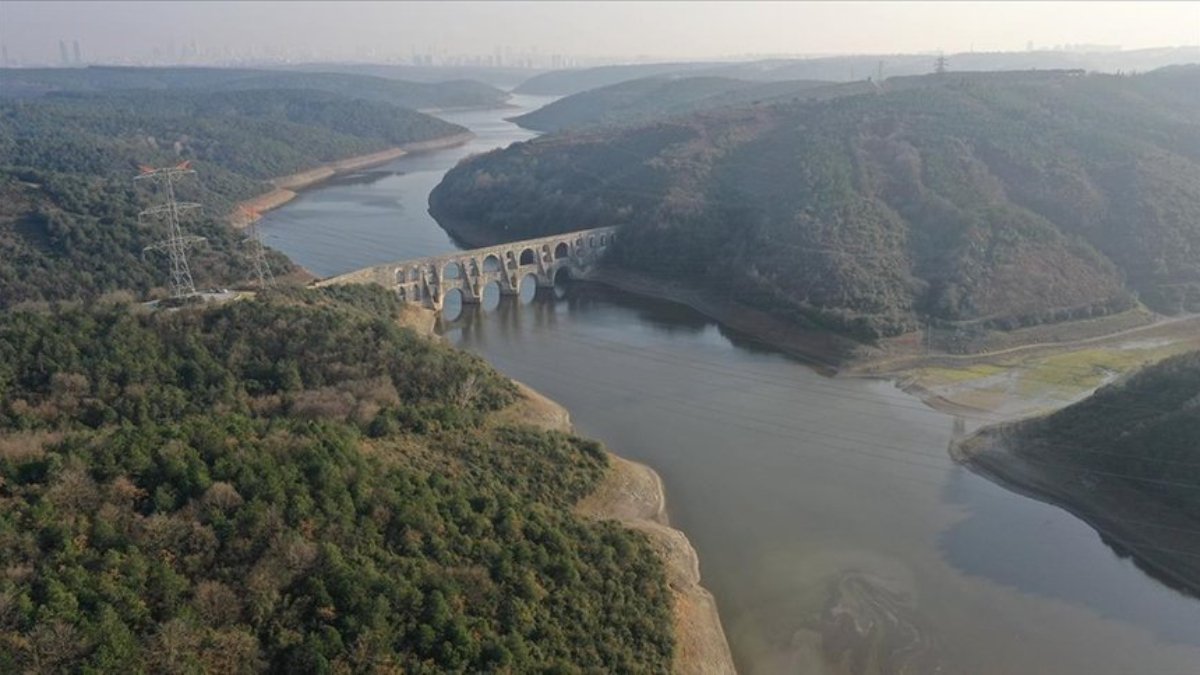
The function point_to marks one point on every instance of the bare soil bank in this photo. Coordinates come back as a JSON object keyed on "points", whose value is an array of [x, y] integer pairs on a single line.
{"points": [[633, 494], [1150, 533], [287, 187]]}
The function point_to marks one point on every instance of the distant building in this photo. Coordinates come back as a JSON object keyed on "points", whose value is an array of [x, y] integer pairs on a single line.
{"points": [[62, 52], [78, 59]]}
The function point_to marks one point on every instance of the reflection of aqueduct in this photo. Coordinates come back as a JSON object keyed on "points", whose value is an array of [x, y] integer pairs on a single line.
{"points": [[428, 280]]}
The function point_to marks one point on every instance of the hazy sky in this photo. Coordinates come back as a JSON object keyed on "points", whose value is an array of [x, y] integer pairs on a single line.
{"points": [[119, 30]]}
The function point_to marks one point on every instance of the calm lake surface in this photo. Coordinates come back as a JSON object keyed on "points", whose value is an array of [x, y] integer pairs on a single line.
{"points": [[826, 512]]}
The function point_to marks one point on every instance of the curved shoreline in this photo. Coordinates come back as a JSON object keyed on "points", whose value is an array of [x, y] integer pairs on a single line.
{"points": [[1124, 519], [633, 495], [288, 187]]}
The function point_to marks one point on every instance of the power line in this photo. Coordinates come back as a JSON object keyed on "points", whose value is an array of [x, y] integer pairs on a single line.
{"points": [[258, 252], [788, 432]]}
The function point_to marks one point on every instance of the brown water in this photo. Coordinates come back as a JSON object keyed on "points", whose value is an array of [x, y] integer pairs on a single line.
{"points": [[831, 525]]}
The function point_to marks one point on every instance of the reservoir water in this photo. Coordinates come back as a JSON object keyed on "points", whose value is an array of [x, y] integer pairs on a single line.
{"points": [[832, 527]]}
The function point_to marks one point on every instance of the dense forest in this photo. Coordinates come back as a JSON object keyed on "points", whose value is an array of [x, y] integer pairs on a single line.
{"points": [[33, 82], [68, 207], [965, 199], [296, 484], [640, 101]]}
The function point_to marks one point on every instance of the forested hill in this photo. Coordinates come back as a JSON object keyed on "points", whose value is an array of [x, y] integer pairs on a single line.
{"points": [[295, 484], [639, 101], [68, 207], [33, 82], [997, 199]]}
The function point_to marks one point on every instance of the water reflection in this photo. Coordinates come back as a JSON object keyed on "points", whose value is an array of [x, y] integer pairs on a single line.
{"points": [[361, 177], [1030, 546]]}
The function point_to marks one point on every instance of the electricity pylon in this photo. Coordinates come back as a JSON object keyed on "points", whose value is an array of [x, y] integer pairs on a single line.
{"points": [[176, 242], [258, 252]]}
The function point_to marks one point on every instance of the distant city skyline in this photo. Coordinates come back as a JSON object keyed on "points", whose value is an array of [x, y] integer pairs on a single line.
{"points": [[547, 35]]}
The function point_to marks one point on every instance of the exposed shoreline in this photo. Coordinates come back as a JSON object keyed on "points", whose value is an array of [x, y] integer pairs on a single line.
{"points": [[633, 495], [288, 187]]}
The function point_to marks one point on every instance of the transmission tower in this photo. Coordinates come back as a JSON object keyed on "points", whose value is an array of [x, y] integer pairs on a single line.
{"points": [[939, 66], [258, 252], [176, 242]]}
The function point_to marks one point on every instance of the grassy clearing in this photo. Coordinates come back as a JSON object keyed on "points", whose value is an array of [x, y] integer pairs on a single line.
{"points": [[1039, 382], [1088, 368]]}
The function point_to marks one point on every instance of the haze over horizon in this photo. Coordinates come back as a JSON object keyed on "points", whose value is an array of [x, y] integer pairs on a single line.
{"points": [[531, 33]]}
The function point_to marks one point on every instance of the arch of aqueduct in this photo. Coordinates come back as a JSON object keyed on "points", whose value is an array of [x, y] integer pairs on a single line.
{"points": [[428, 280]]}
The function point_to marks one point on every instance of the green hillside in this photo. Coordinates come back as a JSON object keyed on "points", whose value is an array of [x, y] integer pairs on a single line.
{"points": [[998, 199], [68, 212], [640, 101], [32, 82], [296, 484]]}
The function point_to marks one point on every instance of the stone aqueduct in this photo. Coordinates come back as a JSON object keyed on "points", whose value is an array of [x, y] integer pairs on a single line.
{"points": [[428, 280]]}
